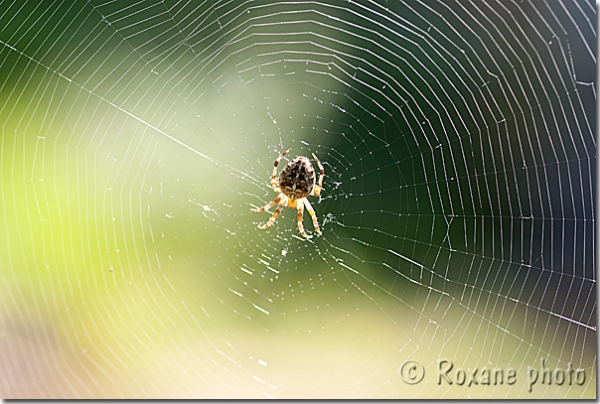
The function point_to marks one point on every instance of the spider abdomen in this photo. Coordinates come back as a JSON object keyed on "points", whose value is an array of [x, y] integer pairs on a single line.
{"points": [[297, 179]]}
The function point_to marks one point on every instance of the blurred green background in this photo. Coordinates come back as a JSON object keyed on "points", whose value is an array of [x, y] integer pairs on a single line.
{"points": [[458, 217]]}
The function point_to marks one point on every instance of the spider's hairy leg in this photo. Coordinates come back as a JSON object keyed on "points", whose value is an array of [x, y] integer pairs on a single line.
{"points": [[275, 214], [300, 216], [268, 205], [312, 214], [274, 180], [317, 190]]}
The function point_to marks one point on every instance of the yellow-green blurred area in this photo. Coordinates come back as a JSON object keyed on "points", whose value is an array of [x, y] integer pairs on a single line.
{"points": [[137, 136]]}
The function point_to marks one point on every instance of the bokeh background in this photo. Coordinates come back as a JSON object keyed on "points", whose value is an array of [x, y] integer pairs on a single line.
{"points": [[458, 211]]}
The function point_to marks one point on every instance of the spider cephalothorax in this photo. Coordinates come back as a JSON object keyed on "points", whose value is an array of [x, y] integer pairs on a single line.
{"points": [[296, 182]]}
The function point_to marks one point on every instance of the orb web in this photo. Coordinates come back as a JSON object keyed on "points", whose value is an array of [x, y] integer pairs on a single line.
{"points": [[458, 204]]}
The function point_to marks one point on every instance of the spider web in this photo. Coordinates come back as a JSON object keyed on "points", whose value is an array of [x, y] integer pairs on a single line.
{"points": [[458, 203]]}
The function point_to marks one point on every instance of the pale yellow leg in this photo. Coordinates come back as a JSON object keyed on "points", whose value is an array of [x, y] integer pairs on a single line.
{"points": [[274, 180], [274, 217], [317, 190], [312, 214], [300, 216], [268, 205]]}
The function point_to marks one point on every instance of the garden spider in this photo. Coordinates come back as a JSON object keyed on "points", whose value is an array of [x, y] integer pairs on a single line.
{"points": [[296, 182]]}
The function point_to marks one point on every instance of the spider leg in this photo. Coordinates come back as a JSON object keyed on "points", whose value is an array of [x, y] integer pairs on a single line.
{"points": [[300, 215], [268, 205], [275, 214], [311, 211], [274, 180], [317, 190]]}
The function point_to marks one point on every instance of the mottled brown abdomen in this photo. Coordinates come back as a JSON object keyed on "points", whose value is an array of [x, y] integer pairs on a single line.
{"points": [[297, 179]]}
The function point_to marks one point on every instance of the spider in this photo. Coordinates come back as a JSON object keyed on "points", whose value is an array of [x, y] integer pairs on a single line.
{"points": [[296, 182]]}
